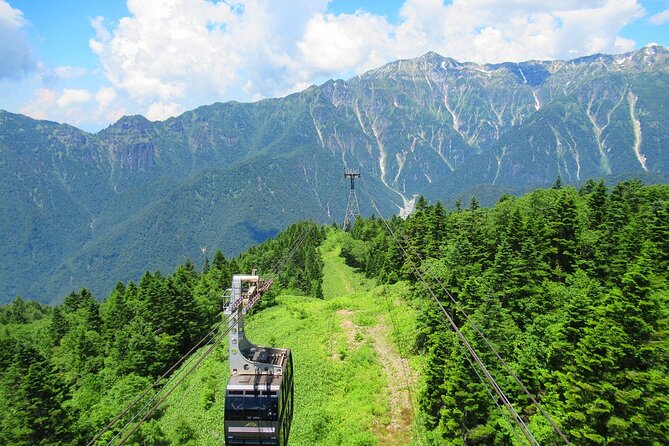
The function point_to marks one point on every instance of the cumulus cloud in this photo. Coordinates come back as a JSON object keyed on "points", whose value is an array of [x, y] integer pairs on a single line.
{"points": [[108, 107], [73, 96], [105, 96], [16, 53], [660, 18], [45, 99], [335, 44], [171, 55], [70, 105], [514, 30]]}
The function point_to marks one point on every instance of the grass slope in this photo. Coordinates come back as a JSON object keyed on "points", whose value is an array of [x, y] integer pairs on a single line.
{"points": [[344, 347]]}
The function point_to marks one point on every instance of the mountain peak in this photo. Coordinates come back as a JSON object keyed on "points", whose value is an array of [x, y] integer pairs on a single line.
{"points": [[431, 56], [653, 48], [132, 121], [131, 124]]}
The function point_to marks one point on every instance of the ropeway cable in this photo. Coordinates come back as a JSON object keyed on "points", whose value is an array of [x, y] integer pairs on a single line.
{"points": [[545, 414], [215, 343], [276, 269], [152, 386], [517, 419], [485, 384], [492, 397], [173, 388], [215, 340]]}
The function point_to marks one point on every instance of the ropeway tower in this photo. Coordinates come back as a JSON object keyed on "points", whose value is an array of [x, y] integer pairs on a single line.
{"points": [[352, 210]]}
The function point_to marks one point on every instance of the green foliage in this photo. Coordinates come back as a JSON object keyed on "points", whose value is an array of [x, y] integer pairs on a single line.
{"points": [[570, 287], [21, 311], [67, 370]]}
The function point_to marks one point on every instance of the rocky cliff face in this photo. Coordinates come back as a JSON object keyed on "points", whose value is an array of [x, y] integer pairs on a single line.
{"points": [[88, 210], [415, 122]]}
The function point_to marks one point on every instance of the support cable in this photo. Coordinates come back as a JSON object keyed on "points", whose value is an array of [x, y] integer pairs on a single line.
{"points": [[173, 388], [155, 384], [492, 397], [517, 419], [545, 414]]}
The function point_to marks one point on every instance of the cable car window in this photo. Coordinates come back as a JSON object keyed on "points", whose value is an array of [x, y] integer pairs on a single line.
{"points": [[234, 407], [261, 408]]}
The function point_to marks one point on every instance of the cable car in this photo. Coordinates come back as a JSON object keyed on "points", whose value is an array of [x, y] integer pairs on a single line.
{"points": [[259, 394]]}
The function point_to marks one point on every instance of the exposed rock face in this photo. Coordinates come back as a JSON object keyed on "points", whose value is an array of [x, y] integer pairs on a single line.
{"points": [[87, 210]]}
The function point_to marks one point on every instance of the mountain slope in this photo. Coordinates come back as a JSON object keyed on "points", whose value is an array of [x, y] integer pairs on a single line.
{"points": [[81, 208]]}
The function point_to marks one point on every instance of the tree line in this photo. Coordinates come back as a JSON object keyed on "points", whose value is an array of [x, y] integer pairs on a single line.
{"points": [[569, 286]]}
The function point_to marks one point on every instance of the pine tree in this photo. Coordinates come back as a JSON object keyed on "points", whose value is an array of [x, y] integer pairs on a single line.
{"points": [[37, 416], [597, 202], [564, 241]]}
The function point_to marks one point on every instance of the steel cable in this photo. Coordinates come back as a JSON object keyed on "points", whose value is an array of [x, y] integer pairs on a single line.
{"points": [[545, 414], [517, 419]]}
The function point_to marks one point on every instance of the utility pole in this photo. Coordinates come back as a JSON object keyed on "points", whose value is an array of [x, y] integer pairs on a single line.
{"points": [[352, 211]]}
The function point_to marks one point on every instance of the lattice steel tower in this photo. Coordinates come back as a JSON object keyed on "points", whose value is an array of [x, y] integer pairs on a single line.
{"points": [[352, 211]]}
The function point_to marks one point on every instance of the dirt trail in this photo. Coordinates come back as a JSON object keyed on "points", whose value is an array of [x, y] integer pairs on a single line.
{"points": [[401, 380], [399, 375], [348, 326], [395, 429]]}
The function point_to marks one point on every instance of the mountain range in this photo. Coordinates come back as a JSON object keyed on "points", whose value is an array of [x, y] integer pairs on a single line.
{"points": [[80, 209]]}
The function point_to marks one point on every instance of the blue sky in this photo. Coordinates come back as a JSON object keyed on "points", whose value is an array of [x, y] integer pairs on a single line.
{"points": [[89, 62]]}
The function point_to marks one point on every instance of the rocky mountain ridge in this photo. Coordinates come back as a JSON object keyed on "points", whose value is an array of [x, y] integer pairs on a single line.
{"points": [[82, 208]]}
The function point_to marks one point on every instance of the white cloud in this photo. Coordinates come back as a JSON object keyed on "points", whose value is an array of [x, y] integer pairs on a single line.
{"points": [[105, 96], [16, 53], [163, 110], [45, 99], [513, 30], [660, 18], [108, 107], [336, 44], [168, 56], [172, 54], [73, 96], [70, 105]]}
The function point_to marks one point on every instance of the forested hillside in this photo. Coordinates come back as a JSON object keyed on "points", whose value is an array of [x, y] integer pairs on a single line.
{"points": [[66, 371], [571, 289], [569, 286]]}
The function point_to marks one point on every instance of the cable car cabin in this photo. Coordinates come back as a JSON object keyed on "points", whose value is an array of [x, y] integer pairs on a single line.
{"points": [[259, 395], [259, 407]]}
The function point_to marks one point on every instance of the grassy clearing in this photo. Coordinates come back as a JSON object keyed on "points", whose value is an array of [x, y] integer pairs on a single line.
{"points": [[342, 396]]}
